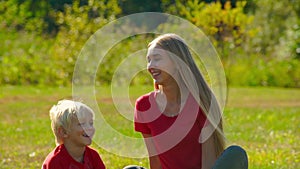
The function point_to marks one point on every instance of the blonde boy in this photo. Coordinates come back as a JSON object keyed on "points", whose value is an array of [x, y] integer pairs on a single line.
{"points": [[72, 125]]}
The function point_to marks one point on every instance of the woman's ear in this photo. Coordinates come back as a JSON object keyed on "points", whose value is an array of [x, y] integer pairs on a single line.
{"points": [[62, 132]]}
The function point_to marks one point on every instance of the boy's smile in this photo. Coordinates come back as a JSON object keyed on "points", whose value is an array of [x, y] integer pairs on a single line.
{"points": [[81, 131]]}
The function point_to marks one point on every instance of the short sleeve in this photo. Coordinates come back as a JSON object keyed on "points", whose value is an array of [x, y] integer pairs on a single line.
{"points": [[141, 106]]}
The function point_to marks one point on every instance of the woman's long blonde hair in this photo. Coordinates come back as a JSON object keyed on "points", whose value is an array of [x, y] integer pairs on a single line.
{"points": [[195, 82]]}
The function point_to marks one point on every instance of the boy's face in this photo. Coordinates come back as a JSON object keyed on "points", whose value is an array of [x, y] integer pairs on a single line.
{"points": [[81, 131]]}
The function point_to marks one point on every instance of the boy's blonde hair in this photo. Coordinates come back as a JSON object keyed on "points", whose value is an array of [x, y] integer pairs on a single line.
{"points": [[62, 114]]}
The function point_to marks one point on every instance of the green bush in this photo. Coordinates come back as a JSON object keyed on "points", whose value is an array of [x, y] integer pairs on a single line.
{"points": [[250, 58], [25, 59], [259, 72]]}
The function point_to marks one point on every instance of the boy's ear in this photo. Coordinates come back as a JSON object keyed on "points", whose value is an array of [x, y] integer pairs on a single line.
{"points": [[62, 132]]}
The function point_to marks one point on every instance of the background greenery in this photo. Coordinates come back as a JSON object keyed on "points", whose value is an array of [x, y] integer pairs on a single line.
{"points": [[258, 41]]}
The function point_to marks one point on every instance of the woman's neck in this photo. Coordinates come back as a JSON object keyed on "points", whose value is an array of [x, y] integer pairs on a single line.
{"points": [[171, 99], [174, 93]]}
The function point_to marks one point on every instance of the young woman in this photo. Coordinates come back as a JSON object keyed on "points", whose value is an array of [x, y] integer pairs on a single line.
{"points": [[180, 120]]}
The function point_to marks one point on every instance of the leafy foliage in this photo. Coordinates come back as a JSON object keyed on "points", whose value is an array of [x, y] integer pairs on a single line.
{"points": [[42, 39], [226, 26], [77, 24], [257, 72]]}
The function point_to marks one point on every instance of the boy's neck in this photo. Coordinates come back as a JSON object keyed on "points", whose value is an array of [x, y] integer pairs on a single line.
{"points": [[77, 153]]}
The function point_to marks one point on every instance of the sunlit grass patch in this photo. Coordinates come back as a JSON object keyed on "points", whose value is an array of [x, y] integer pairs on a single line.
{"points": [[265, 121]]}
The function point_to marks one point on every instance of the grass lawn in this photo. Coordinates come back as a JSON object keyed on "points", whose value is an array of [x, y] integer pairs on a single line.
{"points": [[265, 121]]}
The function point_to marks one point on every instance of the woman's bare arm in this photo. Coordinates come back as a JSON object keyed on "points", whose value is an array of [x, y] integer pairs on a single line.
{"points": [[153, 160], [208, 153]]}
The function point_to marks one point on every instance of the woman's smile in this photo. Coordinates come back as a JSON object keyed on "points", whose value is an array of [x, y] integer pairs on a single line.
{"points": [[155, 73]]}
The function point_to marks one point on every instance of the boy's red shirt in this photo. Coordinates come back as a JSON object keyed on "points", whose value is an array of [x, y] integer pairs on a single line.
{"points": [[59, 158]]}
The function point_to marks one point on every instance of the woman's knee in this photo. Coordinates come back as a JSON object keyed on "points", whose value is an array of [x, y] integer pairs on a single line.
{"points": [[234, 157], [237, 152]]}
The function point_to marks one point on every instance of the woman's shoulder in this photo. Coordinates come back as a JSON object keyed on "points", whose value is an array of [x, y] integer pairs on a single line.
{"points": [[145, 97], [143, 102]]}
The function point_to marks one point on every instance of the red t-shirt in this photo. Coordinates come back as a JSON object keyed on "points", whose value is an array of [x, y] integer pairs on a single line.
{"points": [[59, 158], [175, 138]]}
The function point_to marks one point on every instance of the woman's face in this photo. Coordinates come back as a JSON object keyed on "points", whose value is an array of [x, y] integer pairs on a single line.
{"points": [[160, 66]]}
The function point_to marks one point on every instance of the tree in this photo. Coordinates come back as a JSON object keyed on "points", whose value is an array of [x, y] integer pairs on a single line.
{"points": [[226, 26], [295, 47], [136, 6], [275, 21]]}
